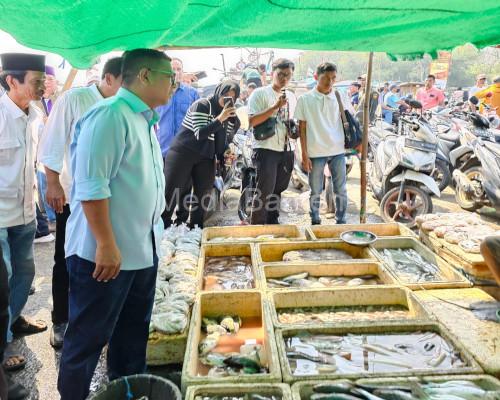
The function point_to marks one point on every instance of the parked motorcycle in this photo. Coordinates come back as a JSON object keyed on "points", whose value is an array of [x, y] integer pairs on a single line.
{"points": [[400, 174], [478, 167]]}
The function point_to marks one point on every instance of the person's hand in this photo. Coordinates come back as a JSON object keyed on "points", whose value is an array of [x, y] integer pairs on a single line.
{"points": [[227, 112], [307, 164], [107, 262], [55, 196], [281, 102]]}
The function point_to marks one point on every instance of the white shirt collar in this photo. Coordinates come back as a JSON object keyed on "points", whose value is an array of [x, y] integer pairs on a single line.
{"points": [[12, 107]]}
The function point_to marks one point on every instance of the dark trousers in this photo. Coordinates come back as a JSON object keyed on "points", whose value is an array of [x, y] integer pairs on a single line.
{"points": [[60, 278], [182, 213], [116, 313], [274, 169], [4, 320], [182, 166]]}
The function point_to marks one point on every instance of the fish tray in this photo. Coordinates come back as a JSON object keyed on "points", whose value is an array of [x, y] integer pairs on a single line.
{"points": [[360, 296], [303, 390], [227, 250], [453, 278], [228, 234], [480, 338], [166, 349], [246, 304], [269, 389], [318, 232], [288, 377], [346, 269], [473, 264], [272, 253]]}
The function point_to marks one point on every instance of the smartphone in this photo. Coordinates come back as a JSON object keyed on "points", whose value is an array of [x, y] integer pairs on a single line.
{"points": [[200, 75], [228, 102], [283, 93]]}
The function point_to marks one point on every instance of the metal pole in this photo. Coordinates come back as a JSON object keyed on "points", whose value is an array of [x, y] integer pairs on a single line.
{"points": [[364, 151]]}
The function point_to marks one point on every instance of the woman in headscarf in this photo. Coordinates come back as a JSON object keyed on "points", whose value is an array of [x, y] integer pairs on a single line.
{"points": [[201, 140]]}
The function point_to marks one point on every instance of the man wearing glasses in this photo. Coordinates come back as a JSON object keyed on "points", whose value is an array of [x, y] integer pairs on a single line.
{"points": [[54, 154], [115, 226], [273, 157]]}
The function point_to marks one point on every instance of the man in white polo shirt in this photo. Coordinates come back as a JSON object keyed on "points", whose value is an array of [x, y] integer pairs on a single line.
{"points": [[322, 140]]}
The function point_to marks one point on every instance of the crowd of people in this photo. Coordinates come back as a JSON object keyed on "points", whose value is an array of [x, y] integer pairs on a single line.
{"points": [[115, 161]]}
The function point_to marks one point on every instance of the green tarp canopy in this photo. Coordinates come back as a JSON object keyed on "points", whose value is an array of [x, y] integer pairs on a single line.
{"points": [[81, 30]]}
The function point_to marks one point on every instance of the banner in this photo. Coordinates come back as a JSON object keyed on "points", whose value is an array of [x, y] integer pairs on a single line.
{"points": [[440, 68]]}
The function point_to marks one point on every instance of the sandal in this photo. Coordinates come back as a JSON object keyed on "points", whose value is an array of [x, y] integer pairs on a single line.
{"points": [[13, 361], [24, 326]]}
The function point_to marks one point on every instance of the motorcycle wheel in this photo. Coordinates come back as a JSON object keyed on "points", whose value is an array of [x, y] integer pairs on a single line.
{"points": [[466, 201], [441, 175], [245, 204], [415, 202]]}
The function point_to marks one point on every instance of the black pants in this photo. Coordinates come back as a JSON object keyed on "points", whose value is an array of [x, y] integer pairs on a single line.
{"points": [[183, 165], [60, 278], [182, 213], [4, 319], [274, 169]]}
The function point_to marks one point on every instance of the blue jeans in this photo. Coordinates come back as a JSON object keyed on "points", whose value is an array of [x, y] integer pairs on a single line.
{"points": [[17, 248], [42, 189], [337, 167], [387, 116], [116, 313]]}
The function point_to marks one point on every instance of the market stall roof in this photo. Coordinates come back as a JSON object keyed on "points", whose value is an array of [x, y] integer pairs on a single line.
{"points": [[81, 30]]}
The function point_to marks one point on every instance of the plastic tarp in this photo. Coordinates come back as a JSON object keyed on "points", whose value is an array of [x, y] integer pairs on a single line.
{"points": [[81, 30]]}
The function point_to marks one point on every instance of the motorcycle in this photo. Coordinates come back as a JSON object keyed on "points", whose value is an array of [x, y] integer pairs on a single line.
{"points": [[478, 167], [400, 175]]}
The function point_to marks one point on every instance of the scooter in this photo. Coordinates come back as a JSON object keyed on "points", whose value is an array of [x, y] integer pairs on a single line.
{"points": [[401, 170], [477, 175]]}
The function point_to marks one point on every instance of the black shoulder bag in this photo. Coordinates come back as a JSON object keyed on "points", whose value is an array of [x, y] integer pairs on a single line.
{"points": [[265, 130], [352, 130]]}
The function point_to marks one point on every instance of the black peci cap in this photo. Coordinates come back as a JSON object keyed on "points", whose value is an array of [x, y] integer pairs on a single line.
{"points": [[22, 62]]}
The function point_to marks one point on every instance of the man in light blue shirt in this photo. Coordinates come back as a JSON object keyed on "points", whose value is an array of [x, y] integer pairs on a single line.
{"points": [[115, 226], [391, 103], [172, 113]]}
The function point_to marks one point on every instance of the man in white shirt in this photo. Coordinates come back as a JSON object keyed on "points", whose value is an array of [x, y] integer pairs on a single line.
{"points": [[23, 79], [322, 140], [54, 154], [480, 85], [272, 157]]}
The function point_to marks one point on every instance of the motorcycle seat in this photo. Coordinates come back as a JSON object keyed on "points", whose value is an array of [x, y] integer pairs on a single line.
{"points": [[450, 136]]}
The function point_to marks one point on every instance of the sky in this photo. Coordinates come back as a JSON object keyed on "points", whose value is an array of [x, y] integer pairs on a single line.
{"points": [[193, 60]]}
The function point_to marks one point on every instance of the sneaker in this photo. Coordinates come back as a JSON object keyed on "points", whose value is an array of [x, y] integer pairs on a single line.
{"points": [[316, 222], [45, 239]]}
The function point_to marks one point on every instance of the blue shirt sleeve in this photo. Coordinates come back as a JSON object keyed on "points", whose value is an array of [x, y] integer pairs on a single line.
{"points": [[99, 148]]}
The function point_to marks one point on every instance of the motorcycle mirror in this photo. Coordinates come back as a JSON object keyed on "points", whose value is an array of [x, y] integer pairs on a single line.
{"points": [[474, 100], [415, 104]]}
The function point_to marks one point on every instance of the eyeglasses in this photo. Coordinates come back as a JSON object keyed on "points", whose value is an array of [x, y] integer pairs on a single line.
{"points": [[168, 73], [284, 75]]}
